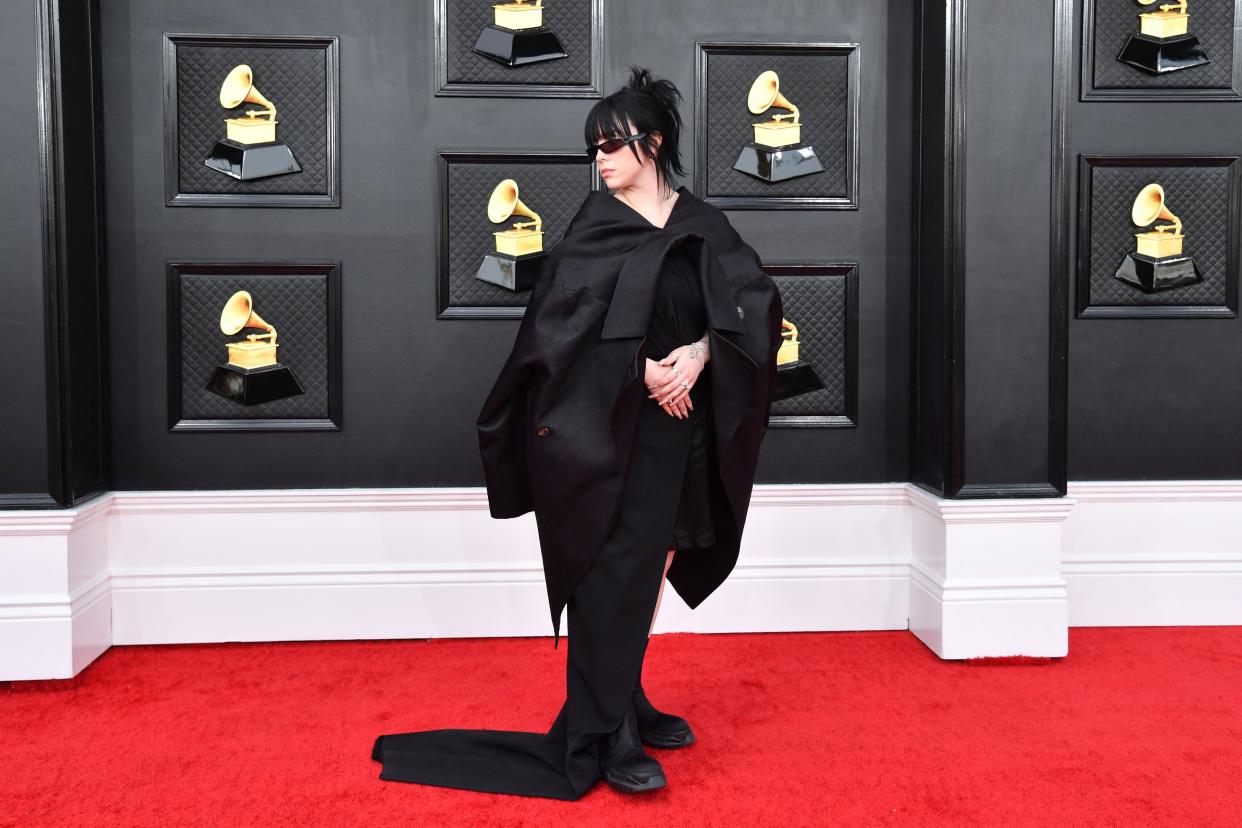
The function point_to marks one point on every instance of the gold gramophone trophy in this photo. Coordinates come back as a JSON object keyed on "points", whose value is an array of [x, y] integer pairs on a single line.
{"points": [[1158, 263], [252, 374], [250, 149], [517, 36], [1164, 43], [519, 249], [793, 376], [777, 151]]}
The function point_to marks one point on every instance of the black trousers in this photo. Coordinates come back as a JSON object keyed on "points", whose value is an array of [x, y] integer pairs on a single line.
{"points": [[609, 617]]}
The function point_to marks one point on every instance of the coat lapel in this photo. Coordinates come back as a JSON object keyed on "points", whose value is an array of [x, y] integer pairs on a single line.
{"points": [[630, 308]]}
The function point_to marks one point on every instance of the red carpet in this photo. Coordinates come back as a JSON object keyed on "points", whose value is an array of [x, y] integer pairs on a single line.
{"points": [[1137, 726]]}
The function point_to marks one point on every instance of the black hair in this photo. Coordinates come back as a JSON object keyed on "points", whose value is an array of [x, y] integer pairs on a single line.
{"points": [[652, 106]]}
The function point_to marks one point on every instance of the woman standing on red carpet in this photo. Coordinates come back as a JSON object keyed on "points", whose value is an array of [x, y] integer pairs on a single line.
{"points": [[628, 417]]}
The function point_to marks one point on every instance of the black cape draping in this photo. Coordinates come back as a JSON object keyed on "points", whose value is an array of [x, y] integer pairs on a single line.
{"points": [[556, 430]]}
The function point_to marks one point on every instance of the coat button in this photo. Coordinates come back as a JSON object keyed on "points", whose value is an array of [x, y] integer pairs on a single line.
{"points": [[543, 431]]}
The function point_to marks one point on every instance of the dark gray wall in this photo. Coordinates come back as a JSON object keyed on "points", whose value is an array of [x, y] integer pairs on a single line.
{"points": [[985, 415], [413, 385], [23, 425], [1152, 398]]}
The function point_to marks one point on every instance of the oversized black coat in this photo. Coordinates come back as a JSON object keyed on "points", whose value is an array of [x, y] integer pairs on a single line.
{"points": [[555, 431]]}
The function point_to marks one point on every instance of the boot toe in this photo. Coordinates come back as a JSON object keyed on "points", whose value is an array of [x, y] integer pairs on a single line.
{"points": [[667, 731], [636, 775]]}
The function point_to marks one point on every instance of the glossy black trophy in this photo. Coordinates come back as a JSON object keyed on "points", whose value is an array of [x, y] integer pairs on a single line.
{"points": [[1158, 264], [519, 250], [252, 374], [1164, 43], [250, 149], [517, 35], [777, 152], [793, 376]]}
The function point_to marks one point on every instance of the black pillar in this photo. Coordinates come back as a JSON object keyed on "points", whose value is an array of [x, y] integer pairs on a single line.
{"points": [[55, 428], [989, 297]]}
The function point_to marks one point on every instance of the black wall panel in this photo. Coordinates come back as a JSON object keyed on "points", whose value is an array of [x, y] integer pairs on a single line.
{"points": [[931, 424], [78, 342], [1151, 398], [413, 384], [53, 450], [23, 425]]}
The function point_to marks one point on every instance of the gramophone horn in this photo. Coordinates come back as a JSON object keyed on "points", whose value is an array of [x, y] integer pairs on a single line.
{"points": [[765, 92], [1149, 206], [239, 313], [504, 202], [238, 88]]}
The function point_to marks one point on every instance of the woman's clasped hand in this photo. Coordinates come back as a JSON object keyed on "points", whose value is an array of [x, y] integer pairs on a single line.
{"points": [[671, 379]]}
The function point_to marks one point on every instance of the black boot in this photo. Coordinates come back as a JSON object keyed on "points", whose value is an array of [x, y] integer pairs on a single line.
{"points": [[660, 730], [623, 762]]}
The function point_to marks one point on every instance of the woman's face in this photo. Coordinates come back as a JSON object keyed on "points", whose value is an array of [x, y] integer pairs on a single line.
{"points": [[620, 170]]}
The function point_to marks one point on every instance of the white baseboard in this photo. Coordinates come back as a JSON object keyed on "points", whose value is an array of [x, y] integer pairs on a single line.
{"points": [[176, 567], [985, 576], [294, 604], [259, 566], [55, 603], [1154, 553]]}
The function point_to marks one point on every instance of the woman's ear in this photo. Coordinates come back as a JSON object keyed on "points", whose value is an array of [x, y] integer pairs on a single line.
{"points": [[656, 138]]}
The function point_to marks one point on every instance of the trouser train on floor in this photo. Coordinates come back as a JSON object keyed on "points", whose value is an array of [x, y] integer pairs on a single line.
{"points": [[609, 617]]}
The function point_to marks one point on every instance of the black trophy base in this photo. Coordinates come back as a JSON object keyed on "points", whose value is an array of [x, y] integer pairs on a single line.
{"points": [[778, 164], [516, 273], [247, 162], [1151, 54], [252, 386], [1154, 275], [794, 378], [517, 47]]}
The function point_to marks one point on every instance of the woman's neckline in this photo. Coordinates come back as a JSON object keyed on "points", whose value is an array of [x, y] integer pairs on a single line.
{"points": [[681, 195]]}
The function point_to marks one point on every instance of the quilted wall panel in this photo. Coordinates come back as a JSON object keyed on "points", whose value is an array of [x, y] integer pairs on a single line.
{"points": [[1115, 20], [1199, 196], [818, 305], [553, 190], [296, 305], [570, 19], [294, 78], [817, 84]]}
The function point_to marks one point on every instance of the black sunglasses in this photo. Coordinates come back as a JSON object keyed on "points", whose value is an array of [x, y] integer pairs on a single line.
{"points": [[612, 144]]}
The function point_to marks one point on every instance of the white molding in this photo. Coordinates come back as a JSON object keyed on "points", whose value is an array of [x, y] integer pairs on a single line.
{"points": [[1161, 491], [55, 608], [440, 499], [40, 522], [985, 576], [301, 500], [987, 589], [969, 577], [830, 494], [1155, 553], [431, 562], [55, 605], [994, 510]]}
